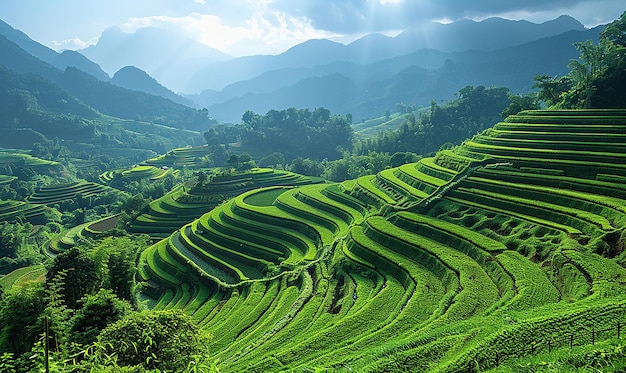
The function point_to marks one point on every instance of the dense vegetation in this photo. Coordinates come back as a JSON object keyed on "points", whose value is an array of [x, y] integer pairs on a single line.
{"points": [[596, 79], [467, 258], [475, 109], [293, 132]]}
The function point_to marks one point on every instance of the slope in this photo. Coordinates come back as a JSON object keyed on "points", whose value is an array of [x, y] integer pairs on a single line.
{"points": [[497, 248]]}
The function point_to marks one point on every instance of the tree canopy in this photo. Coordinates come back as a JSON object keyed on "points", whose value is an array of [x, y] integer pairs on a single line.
{"points": [[475, 109], [596, 79], [316, 134]]}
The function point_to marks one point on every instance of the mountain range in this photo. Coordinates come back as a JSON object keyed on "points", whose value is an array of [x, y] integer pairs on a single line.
{"points": [[364, 78], [464, 35]]}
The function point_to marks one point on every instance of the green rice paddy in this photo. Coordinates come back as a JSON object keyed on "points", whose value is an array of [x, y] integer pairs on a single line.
{"points": [[467, 261]]}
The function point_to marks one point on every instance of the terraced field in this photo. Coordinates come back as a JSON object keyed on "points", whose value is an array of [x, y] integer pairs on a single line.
{"points": [[136, 173], [456, 263], [184, 204], [21, 211], [6, 180], [190, 157], [23, 276], [53, 194], [71, 237], [21, 160]]}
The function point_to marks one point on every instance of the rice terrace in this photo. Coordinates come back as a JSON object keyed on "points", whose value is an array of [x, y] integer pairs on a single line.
{"points": [[306, 187], [508, 241]]}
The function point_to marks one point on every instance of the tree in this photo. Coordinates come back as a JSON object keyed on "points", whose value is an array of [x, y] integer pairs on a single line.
{"points": [[476, 109], [115, 263], [233, 161], [12, 238], [164, 340], [20, 325], [272, 160], [202, 178], [551, 89], [596, 79], [310, 134], [211, 137], [306, 167], [518, 103], [245, 162], [80, 277], [96, 313], [400, 158]]}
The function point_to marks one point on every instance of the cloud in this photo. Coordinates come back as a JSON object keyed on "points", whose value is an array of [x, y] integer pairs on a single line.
{"points": [[240, 27], [263, 32], [72, 44], [351, 16]]}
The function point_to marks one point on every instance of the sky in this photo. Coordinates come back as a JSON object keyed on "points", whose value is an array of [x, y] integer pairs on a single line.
{"points": [[247, 27]]}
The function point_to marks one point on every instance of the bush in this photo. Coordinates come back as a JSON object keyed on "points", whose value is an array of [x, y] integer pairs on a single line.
{"points": [[164, 340]]}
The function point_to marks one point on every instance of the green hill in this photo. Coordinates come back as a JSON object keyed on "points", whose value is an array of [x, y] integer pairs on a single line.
{"points": [[502, 247]]}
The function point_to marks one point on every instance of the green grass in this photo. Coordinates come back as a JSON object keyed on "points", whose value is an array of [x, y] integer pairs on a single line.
{"points": [[265, 196], [317, 198], [402, 187], [365, 183]]}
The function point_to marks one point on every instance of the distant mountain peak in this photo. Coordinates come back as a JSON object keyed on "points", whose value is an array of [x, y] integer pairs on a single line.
{"points": [[133, 78], [170, 57], [134, 73], [59, 60], [567, 21], [486, 35]]}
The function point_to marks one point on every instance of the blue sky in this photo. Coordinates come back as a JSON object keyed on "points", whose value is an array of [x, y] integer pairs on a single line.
{"points": [[240, 27]]}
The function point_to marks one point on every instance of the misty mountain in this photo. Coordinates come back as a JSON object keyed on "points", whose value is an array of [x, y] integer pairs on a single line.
{"points": [[487, 35], [169, 57], [464, 35], [364, 78], [32, 107], [333, 92], [50, 64], [17, 59], [361, 74], [415, 79], [59, 60], [102, 96], [133, 78], [120, 102]]}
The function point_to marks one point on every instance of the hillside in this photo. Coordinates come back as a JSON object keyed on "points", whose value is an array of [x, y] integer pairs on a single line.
{"points": [[502, 247], [135, 79], [90, 90], [59, 60]]}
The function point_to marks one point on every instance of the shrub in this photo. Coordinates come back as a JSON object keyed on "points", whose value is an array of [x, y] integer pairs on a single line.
{"points": [[164, 340]]}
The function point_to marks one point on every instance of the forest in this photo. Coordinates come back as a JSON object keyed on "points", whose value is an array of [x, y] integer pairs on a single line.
{"points": [[143, 236]]}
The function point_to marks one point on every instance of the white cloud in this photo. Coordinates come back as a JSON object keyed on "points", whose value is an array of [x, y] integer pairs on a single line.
{"points": [[201, 2], [263, 32], [72, 44]]}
